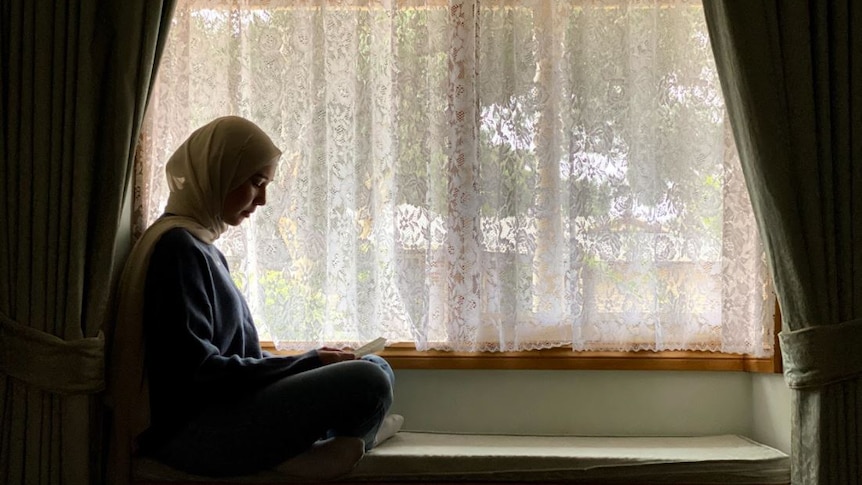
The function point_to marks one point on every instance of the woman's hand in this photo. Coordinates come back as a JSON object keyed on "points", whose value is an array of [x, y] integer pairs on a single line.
{"points": [[328, 355]]}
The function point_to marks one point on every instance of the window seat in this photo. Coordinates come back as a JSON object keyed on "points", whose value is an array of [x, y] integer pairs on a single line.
{"points": [[439, 457]]}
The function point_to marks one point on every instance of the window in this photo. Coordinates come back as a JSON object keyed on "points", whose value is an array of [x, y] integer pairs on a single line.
{"points": [[476, 175]]}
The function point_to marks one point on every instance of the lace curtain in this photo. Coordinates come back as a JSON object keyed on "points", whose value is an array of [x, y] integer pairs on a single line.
{"points": [[476, 175]]}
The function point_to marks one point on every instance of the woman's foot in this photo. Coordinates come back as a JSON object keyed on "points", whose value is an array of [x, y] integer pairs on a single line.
{"points": [[325, 460], [391, 424]]}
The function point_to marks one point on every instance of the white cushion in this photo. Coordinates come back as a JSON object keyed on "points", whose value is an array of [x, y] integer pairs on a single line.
{"points": [[724, 459]]}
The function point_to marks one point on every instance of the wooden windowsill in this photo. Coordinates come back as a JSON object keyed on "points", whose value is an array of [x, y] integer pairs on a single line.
{"points": [[405, 356]]}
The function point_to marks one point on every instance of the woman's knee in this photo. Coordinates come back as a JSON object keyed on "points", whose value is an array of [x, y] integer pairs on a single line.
{"points": [[366, 398], [384, 366], [370, 377]]}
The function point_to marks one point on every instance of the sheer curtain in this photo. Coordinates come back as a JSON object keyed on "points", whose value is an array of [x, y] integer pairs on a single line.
{"points": [[477, 175]]}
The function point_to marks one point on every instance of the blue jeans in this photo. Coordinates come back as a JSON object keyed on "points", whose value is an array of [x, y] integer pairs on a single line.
{"points": [[284, 419]]}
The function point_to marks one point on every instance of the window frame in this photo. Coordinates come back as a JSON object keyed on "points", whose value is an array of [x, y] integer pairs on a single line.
{"points": [[405, 356]]}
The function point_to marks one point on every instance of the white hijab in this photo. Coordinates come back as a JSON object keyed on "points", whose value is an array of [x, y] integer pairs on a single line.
{"points": [[214, 160]]}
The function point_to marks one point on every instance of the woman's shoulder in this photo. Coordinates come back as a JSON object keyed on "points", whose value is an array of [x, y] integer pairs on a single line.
{"points": [[179, 242], [179, 249], [178, 237]]}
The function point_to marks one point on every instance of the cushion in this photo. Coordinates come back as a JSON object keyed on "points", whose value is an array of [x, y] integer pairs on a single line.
{"points": [[414, 456]]}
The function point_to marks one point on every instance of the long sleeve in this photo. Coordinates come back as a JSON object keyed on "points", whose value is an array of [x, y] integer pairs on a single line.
{"points": [[201, 343]]}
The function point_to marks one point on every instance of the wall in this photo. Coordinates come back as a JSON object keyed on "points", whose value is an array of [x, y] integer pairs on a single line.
{"points": [[771, 405], [587, 402]]}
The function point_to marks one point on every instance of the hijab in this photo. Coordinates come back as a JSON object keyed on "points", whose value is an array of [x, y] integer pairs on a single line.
{"points": [[215, 159]]}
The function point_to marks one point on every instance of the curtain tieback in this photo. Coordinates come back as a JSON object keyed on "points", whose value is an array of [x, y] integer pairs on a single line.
{"points": [[821, 355], [49, 362]]}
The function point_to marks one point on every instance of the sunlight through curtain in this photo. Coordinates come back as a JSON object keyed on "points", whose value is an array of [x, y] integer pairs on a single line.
{"points": [[477, 175]]}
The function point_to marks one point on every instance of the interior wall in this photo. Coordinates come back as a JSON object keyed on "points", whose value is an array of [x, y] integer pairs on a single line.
{"points": [[608, 403], [771, 406]]}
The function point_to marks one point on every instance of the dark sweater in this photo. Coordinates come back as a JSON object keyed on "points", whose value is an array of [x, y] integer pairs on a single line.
{"points": [[201, 344]]}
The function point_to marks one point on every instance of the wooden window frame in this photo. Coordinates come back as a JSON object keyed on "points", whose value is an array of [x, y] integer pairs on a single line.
{"points": [[405, 356]]}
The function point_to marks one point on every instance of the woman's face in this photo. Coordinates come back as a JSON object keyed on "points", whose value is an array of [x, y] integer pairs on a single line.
{"points": [[241, 202]]}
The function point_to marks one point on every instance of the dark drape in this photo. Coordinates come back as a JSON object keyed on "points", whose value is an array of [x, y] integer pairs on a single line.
{"points": [[74, 81], [791, 72]]}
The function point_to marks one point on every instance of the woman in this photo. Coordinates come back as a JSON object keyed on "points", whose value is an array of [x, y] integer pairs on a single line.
{"points": [[217, 405]]}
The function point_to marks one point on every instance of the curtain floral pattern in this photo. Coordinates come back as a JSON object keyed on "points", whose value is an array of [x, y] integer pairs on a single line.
{"points": [[476, 175]]}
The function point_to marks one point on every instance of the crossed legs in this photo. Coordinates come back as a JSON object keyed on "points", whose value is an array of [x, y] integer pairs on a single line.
{"points": [[285, 419]]}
